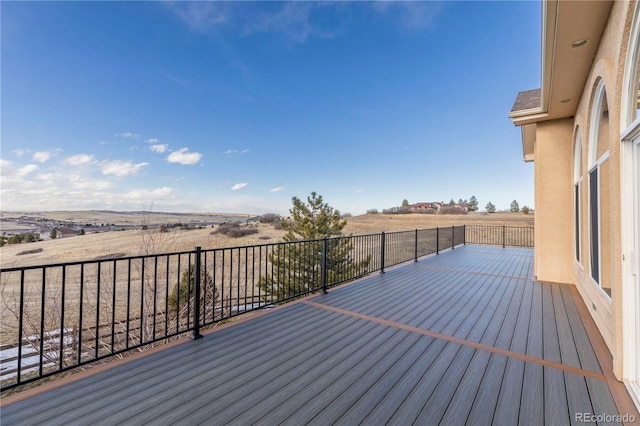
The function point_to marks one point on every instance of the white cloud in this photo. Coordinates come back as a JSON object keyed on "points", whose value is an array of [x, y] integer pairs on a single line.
{"points": [[277, 189], [292, 20], [20, 152], [79, 160], [27, 169], [159, 148], [41, 156], [10, 172], [202, 16], [6, 167], [233, 152], [144, 195], [238, 186], [152, 140], [121, 168], [183, 156], [127, 135], [44, 156]]}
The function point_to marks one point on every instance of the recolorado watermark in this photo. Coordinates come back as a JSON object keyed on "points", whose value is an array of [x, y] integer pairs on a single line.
{"points": [[604, 418]]}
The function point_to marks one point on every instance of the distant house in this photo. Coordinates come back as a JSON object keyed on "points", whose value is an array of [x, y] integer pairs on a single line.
{"points": [[64, 232], [581, 129], [436, 205], [421, 207]]}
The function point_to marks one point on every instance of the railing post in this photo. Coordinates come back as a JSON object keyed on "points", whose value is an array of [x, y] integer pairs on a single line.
{"points": [[464, 233], [323, 269], [196, 297], [437, 240], [415, 257], [453, 237], [503, 232], [382, 244]]}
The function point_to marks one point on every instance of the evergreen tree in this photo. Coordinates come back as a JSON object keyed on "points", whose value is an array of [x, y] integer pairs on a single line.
{"points": [[297, 266], [525, 209], [405, 203], [181, 297], [515, 207], [473, 203], [490, 207]]}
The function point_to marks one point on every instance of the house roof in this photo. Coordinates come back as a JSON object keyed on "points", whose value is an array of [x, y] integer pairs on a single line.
{"points": [[529, 99], [571, 33]]}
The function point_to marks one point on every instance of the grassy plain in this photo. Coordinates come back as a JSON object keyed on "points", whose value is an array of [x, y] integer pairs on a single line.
{"points": [[135, 242]]}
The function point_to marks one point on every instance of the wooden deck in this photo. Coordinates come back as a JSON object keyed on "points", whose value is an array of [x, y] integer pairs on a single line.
{"points": [[464, 337]]}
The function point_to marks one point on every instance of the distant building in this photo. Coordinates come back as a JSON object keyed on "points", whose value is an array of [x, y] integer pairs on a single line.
{"points": [[437, 206], [64, 232]]}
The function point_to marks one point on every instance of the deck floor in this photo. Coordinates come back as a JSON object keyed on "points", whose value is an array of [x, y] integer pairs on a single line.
{"points": [[464, 337]]}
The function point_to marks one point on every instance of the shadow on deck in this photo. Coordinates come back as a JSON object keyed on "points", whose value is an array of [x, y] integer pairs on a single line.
{"points": [[467, 336]]}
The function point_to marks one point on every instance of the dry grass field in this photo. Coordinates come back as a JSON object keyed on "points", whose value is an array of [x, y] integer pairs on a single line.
{"points": [[135, 242]]}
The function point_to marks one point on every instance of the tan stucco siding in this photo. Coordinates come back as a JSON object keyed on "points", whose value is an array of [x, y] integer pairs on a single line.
{"points": [[553, 174], [608, 67]]}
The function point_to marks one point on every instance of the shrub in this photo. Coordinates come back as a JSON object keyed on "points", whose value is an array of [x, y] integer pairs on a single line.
{"points": [[453, 210], [427, 211], [372, 211], [525, 209], [235, 230], [269, 218], [38, 250]]}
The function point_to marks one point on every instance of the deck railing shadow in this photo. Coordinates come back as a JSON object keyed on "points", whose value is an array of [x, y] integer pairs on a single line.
{"points": [[57, 317]]}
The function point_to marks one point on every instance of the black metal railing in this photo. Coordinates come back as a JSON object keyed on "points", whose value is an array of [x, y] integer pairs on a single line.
{"points": [[505, 236], [60, 316]]}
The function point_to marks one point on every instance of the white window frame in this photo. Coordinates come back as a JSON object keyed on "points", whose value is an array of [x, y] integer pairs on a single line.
{"points": [[599, 95], [577, 181], [630, 132]]}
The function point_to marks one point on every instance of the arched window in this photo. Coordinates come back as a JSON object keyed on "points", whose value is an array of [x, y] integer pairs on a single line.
{"points": [[577, 179], [631, 84], [599, 225]]}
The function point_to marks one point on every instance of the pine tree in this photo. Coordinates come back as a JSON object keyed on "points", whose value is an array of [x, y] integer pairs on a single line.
{"points": [[515, 207], [181, 297], [297, 266], [473, 203], [490, 207]]}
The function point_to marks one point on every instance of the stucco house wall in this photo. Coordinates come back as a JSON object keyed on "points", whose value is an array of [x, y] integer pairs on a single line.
{"points": [[553, 201]]}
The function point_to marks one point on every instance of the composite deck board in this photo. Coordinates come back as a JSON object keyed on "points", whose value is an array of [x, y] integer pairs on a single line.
{"points": [[588, 359], [413, 405], [601, 399], [230, 380], [462, 400], [193, 372], [314, 389], [501, 389], [383, 356], [532, 399]]}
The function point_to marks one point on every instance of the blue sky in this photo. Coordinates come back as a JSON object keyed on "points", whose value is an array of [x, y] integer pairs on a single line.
{"points": [[239, 106]]}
